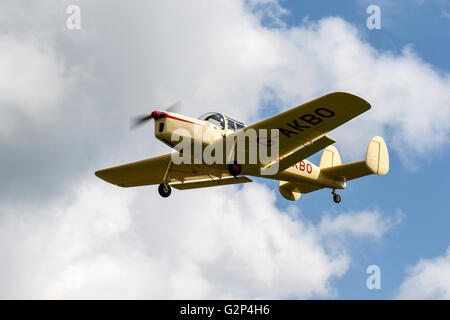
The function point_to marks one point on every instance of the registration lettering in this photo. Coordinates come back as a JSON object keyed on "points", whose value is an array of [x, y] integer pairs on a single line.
{"points": [[306, 121]]}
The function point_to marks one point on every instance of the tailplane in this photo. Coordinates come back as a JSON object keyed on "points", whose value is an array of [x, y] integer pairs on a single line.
{"points": [[376, 162]]}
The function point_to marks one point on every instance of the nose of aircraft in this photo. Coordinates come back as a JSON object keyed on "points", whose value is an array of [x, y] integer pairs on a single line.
{"points": [[157, 114]]}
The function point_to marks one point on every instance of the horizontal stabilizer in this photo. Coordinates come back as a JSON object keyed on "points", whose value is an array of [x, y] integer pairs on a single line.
{"points": [[195, 184], [348, 171]]}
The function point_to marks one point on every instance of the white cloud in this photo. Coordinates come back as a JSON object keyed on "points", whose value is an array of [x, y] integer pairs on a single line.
{"points": [[109, 242], [365, 223], [429, 279], [33, 81], [409, 98]]}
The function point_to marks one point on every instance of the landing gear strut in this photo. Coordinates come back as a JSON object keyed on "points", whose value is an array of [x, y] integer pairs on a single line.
{"points": [[234, 169], [164, 190], [336, 197]]}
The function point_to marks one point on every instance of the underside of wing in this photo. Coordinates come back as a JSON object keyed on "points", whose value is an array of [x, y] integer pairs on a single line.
{"points": [[153, 171], [139, 173], [307, 122]]}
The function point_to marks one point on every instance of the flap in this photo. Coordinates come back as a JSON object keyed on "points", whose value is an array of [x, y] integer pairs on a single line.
{"points": [[210, 183]]}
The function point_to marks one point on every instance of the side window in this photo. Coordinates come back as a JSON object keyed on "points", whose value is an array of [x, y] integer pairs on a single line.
{"points": [[230, 125], [239, 126]]}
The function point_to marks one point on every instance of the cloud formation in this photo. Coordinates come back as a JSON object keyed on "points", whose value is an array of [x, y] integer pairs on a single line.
{"points": [[32, 82], [428, 279], [368, 223], [108, 242]]}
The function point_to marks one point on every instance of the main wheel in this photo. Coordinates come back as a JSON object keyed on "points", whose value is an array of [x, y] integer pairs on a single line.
{"points": [[234, 169], [336, 198], [164, 190]]}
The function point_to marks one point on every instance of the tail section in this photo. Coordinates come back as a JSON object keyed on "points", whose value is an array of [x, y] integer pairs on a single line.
{"points": [[377, 156], [376, 162], [330, 158]]}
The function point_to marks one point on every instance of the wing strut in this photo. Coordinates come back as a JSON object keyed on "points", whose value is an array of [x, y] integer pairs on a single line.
{"points": [[167, 174]]}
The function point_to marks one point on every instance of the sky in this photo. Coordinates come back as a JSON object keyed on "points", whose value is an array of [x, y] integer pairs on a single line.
{"points": [[66, 97]]}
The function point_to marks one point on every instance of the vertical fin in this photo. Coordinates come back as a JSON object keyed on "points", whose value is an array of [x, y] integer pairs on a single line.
{"points": [[377, 156], [330, 158]]}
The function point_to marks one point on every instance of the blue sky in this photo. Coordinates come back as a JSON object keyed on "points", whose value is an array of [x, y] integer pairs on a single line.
{"points": [[420, 193], [422, 24]]}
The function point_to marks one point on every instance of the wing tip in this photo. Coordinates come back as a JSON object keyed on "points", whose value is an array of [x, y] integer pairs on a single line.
{"points": [[101, 174], [345, 94]]}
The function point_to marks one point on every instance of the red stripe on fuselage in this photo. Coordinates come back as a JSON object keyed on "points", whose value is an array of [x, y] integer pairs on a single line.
{"points": [[179, 119]]}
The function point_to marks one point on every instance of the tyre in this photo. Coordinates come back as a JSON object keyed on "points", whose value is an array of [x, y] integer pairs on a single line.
{"points": [[336, 198], [164, 190]]}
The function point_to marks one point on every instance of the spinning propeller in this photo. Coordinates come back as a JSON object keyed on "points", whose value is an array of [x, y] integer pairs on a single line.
{"points": [[140, 120]]}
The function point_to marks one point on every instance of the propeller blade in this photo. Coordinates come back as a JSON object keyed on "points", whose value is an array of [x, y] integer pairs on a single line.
{"points": [[174, 107], [138, 121]]}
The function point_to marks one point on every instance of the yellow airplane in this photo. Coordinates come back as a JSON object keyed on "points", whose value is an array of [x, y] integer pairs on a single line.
{"points": [[301, 133]]}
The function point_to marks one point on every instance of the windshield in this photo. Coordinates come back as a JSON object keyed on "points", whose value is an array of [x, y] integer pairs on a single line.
{"points": [[219, 120], [214, 118]]}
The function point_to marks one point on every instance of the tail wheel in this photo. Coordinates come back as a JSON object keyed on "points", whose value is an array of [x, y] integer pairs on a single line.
{"points": [[234, 169], [336, 198], [164, 190]]}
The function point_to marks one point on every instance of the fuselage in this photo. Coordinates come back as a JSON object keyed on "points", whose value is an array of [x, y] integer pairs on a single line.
{"points": [[171, 128]]}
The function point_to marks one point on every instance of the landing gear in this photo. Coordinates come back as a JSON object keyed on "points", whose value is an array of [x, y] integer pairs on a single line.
{"points": [[234, 169], [164, 190], [336, 197]]}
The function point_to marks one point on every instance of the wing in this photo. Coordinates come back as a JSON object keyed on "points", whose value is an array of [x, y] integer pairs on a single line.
{"points": [[182, 176], [140, 173], [309, 121]]}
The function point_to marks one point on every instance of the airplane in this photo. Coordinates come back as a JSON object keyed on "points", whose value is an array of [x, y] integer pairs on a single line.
{"points": [[302, 133]]}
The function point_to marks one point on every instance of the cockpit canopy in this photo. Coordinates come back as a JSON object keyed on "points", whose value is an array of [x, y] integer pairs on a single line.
{"points": [[221, 121]]}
